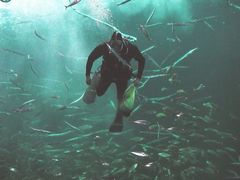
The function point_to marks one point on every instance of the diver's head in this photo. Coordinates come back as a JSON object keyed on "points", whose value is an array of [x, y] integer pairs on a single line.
{"points": [[116, 41]]}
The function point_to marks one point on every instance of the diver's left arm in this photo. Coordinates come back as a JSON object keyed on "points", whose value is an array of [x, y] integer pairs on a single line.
{"points": [[141, 64], [95, 54]]}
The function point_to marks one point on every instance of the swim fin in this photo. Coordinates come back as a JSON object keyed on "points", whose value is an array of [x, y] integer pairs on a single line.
{"points": [[116, 127], [117, 124]]}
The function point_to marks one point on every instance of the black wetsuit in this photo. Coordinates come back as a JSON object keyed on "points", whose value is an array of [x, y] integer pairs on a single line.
{"points": [[111, 69]]}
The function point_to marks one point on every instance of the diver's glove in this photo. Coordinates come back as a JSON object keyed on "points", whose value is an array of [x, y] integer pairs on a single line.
{"points": [[88, 80], [136, 81]]}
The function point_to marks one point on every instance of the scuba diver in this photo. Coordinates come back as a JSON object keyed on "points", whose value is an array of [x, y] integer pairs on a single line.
{"points": [[115, 68]]}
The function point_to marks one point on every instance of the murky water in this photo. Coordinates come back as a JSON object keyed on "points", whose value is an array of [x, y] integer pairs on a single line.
{"points": [[185, 122]]}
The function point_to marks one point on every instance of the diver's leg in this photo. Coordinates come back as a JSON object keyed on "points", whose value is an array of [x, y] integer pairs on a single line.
{"points": [[121, 87], [117, 124], [103, 86], [98, 87]]}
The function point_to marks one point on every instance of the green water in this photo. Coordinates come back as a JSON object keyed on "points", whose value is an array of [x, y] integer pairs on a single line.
{"points": [[185, 124]]}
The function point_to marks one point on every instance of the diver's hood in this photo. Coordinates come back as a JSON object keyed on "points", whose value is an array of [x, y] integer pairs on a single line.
{"points": [[125, 43]]}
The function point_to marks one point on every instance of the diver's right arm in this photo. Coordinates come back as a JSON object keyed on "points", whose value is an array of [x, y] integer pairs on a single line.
{"points": [[95, 54]]}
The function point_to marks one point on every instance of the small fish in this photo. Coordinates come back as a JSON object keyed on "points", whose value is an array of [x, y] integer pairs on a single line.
{"points": [[234, 5], [200, 87], [60, 54], [5, 113], [66, 86], [197, 135], [211, 130], [72, 126], [13, 52], [153, 25], [149, 164], [167, 57], [39, 36], [189, 107], [209, 105], [61, 107], [77, 100], [105, 164], [178, 24], [137, 139], [164, 155], [179, 114], [148, 49], [40, 130], [55, 97], [181, 91], [153, 127], [145, 32], [73, 139], [202, 19], [23, 22], [230, 149], [37, 114], [68, 69], [209, 25], [235, 175], [161, 115], [213, 142], [141, 154], [228, 2], [119, 171], [28, 102], [133, 168], [154, 61], [171, 128], [124, 2], [117, 161], [150, 16], [60, 134], [178, 40], [73, 3], [184, 56], [171, 40], [33, 70], [22, 110], [155, 76], [113, 105], [143, 122]]}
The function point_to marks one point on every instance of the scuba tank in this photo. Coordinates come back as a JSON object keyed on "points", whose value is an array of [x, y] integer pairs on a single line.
{"points": [[90, 93]]}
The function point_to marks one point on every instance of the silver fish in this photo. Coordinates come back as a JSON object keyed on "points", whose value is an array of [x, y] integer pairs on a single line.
{"points": [[143, 122], [140, 154], [124, 2], [39, 36], [73, 3]]}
